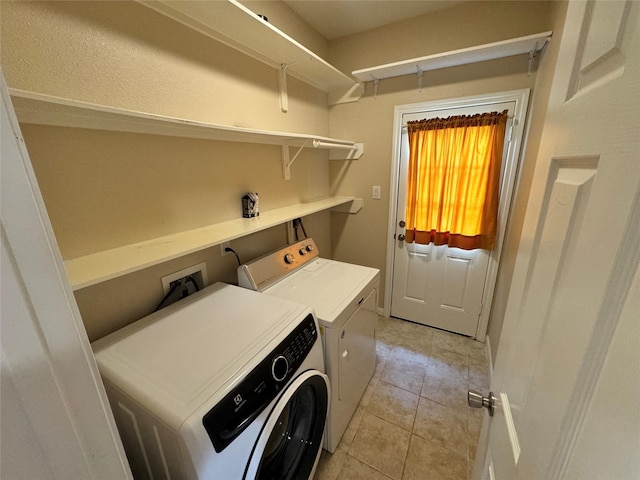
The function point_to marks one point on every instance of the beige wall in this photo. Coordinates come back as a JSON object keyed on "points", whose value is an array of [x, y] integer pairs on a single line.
{"points": [[105, 189], [363, 238]]}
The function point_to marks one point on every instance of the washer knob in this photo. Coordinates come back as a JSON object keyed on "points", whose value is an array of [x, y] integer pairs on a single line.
{"points": [[309, 248], [289, 259], [303, 251], [279, 368]]}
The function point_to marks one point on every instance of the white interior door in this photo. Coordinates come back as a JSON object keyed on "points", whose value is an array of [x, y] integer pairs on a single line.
{"points": [[436, 285], [56, 422], [568, 364]]}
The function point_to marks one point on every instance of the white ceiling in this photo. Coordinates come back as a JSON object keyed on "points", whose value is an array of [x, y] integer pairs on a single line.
{"points": [[337, 18]]}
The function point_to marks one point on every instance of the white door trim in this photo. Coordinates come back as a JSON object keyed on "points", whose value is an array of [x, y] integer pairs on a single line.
{"points": [[57, 397], [508, 181]]}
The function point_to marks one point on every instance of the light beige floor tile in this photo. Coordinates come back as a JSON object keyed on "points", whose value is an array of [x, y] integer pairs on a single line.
{"points": [[446, 391], [394, 404], [381, 445], [427, 460], [404, 369], [354, 469], [451, 342], [477, 351], [448, 366], [330, 465], [479, 373], [475, 418], [351, 430], [441, 424]]}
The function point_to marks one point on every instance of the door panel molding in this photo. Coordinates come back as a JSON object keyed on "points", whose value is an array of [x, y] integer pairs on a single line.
{"points": [[625, 267]]}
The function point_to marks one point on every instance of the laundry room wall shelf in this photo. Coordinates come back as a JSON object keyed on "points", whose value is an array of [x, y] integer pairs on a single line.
{"points": [[41, 109], [530, 44], [233, 24], [106, 265]]}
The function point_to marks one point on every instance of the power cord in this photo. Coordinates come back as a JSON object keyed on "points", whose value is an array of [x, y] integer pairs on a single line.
{"points": [[297, 222], [229, 249], [174, 286]]}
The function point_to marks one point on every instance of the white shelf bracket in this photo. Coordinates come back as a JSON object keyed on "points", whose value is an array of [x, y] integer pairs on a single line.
{"points": [[286, 162], [376, 84], [282, 82], [352, 207], [420, 75], [533, 54]]}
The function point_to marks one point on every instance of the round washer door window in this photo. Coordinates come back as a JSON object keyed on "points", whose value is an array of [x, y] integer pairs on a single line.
{"points": [[292, 437]]}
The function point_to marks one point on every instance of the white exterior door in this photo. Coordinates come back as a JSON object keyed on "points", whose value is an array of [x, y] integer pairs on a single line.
{"points": [[436, 285], [567, 372], [56, 422]]}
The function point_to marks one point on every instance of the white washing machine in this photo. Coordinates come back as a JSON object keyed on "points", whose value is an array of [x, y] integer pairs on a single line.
{"points": [[226, 384], [344, 297]]}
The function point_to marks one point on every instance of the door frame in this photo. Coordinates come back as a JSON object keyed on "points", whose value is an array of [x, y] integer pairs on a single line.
{"points": [[509, 178]]}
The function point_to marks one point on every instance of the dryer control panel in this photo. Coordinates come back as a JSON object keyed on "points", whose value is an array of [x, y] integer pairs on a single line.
{"points": [[261, 273], [235, 412]]}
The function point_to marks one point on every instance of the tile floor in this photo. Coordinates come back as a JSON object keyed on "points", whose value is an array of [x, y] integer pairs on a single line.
{"points": [[413, 421]]}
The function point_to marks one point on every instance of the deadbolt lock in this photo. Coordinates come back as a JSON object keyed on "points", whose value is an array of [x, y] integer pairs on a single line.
{"points": [[402, 224]]}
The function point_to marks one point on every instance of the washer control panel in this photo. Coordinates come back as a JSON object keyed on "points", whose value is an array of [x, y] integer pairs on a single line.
{"points": [[254, 393]]}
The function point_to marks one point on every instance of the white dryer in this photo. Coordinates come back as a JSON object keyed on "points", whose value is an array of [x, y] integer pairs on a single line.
{"points": [[226, 384], [344, 297]]}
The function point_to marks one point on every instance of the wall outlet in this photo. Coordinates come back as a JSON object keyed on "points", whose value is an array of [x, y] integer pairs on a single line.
{"points": [[223, 246], [198, 272]]}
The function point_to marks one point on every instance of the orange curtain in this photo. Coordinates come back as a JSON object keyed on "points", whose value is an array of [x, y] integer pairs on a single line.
{"points": [[454, 180]]}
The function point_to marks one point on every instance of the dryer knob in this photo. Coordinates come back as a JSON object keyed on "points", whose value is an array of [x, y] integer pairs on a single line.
{"points": [[289, 259], [303, 251], [279, 368], [309, 248]]}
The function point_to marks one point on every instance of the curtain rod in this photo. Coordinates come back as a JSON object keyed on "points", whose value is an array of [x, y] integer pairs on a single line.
{"points": [[515, 122], [321, 144]]}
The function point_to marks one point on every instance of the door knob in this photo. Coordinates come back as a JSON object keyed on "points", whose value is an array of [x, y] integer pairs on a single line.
{"points": [[401, 237], [476, 400], [401, 224]]}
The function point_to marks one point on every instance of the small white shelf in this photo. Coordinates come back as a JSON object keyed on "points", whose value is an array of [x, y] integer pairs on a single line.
{"points": [[231, 23], [99, 267], [516, 46]]}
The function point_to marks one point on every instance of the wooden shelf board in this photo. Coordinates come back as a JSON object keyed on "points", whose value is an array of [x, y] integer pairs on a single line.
{"points": [[106, 265], [231, 23], [41, 109], [490, 51]]}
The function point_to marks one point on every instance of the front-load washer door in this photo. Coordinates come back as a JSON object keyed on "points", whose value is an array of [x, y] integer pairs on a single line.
{"points": [[291, 441]]}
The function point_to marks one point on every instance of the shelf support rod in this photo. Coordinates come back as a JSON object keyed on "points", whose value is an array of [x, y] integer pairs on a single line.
{"points": [[286, 162], [282, 82], [320, 144], [420, 75], [376, 83]]}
